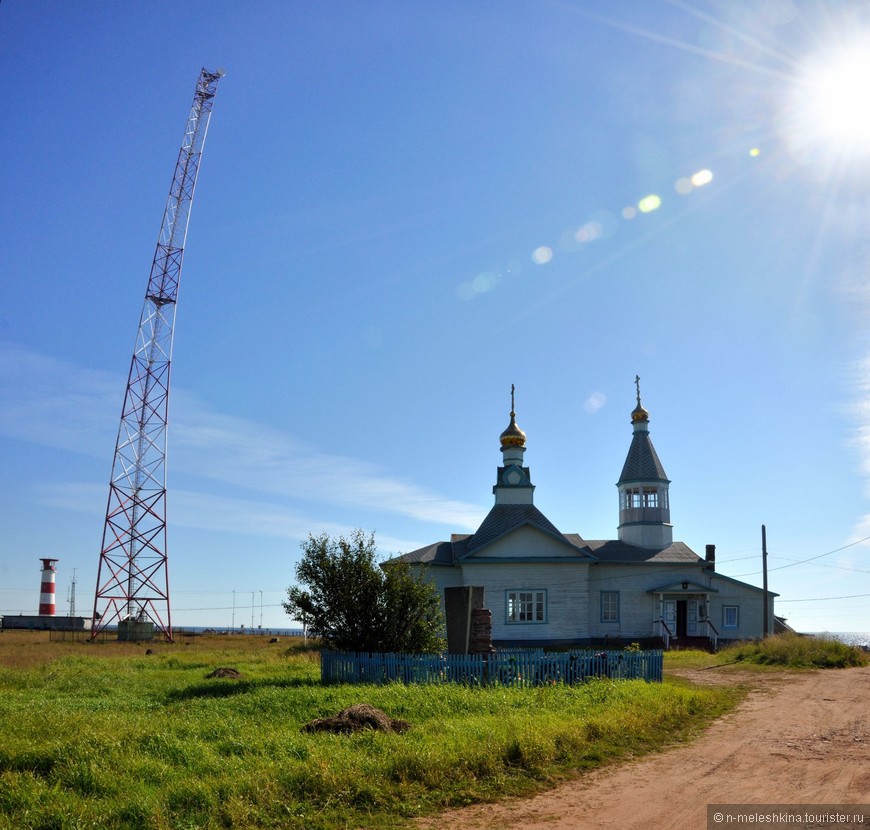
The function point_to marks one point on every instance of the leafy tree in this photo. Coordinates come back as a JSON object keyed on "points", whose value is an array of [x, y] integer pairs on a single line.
{"points": [[300, 608], [354, 604]]}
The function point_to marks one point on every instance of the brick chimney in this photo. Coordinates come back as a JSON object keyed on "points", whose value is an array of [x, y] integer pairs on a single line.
{"points": [[710, 557]]}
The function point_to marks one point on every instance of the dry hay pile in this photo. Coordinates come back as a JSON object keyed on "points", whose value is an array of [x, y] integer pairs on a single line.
{"points": [[355, 718], [233, 674]]}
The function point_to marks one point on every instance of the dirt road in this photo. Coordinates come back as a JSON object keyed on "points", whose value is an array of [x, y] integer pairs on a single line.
{"points": [[797, 738]]}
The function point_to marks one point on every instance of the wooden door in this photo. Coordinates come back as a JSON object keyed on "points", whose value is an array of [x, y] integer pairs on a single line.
{"points": [[692, 618], [671, 615]]}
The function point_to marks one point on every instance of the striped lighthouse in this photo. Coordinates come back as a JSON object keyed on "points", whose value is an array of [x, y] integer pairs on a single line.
{"points": [[46, 590]]}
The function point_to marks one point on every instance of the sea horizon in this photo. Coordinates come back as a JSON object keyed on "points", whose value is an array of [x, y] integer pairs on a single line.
{"points": [[852, 638]]}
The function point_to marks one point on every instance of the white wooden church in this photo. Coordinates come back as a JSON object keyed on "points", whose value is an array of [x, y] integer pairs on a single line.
{"points": [[549, 588]]}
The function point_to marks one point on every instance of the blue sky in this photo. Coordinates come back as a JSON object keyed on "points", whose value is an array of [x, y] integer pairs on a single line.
{"points": [[404, 208]]}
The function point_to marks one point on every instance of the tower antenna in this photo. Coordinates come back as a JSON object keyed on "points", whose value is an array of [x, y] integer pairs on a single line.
{"points": [[72, 594], [132, 578]]}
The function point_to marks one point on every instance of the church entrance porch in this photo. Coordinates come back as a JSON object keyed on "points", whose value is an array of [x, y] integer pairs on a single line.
{"points": [[680, 616]]}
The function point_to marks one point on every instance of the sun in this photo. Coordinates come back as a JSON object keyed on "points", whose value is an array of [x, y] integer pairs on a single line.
{"points": [[828, 113], [840, 99]]}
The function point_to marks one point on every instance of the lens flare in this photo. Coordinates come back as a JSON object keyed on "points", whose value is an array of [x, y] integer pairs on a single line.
{"points": [[702, 177], [542, 255], [589, 232], [481, 284], [649, 203], [594, 402]]}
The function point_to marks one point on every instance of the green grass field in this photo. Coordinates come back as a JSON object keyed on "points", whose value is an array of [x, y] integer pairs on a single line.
{"points": [[103, 736]]}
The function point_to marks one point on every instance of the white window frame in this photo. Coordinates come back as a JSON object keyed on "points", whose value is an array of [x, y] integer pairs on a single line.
{"points": [[650, 496], [610, 601], [725, 610], [527, 606], [631, 498]]}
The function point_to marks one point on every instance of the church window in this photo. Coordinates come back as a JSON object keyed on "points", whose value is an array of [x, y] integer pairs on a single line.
{"points": [[650, 497], [730, 616], [632, 498], [610, 606], [526, 606]]}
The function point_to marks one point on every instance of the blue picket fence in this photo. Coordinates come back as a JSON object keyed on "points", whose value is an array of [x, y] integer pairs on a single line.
{"points": [[508, 668]]}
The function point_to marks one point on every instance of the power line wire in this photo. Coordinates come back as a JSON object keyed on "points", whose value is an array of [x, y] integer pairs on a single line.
{"points": [[237, 607], [821, 599], [811, 559]]}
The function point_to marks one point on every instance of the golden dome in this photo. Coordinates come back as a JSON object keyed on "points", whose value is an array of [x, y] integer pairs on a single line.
{"points": [[513, 436], [638, 414]]}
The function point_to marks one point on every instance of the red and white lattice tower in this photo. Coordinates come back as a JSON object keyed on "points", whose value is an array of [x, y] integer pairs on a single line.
{"points": [[46, 588], [132, 579]]}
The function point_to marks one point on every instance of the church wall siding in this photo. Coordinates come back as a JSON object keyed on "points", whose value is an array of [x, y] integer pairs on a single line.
{"points": [[749, 603], [574, 597], [566, 590], [637, 607], [443, 578]]}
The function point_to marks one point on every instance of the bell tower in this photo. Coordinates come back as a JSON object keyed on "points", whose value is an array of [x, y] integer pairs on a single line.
{"points": [[644, 507]]}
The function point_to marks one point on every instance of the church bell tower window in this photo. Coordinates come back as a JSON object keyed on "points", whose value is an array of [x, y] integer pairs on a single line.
{"points": [[631, 498]]}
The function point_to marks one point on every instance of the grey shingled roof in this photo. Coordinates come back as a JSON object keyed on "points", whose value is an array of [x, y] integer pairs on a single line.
{"points": [[504, 518], [612, 550], [438, 553], [642, 462]]}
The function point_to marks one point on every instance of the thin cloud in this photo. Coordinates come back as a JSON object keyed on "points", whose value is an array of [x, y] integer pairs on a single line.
{"points": [[53, 403], [251, 455], [204, 511]]}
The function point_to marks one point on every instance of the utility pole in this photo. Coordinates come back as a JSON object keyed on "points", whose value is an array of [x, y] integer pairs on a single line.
{"points": [[766, 628], [233, 624], [132, 578], [261, 609]]}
